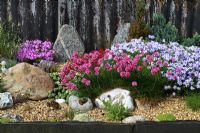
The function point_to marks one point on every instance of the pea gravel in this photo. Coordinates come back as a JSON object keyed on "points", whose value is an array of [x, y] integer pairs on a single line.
{"points": [[40, 111]]}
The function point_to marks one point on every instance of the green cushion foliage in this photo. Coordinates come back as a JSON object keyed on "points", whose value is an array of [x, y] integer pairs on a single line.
{"points": [[193, 101], [4, 120], [194, 41], [115, 112], [163, 30], [166, 117], [70, 113], [59, 91]]}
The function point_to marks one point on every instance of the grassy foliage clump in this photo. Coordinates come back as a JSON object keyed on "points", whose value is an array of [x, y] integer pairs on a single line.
{"points": [[70, 113], [4, 120], [9, 40], [115, 112], [194, 41], [193, 101]]}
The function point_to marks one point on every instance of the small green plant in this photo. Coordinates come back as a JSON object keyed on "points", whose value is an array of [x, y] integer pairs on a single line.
{"points": [[194, 41], [115, 112], [4, 120], [166, 117], [163, 31], [193, 101], [9, 40], [70, 113], [59, 91]]}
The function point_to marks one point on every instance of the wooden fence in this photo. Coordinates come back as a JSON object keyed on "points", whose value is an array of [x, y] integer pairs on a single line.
{"points": [[95, 20]]}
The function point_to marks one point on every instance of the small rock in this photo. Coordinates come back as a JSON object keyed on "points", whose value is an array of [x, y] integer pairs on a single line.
{"points": [[122, 34], [80, 104], [133, 119], [60, 101], [13, 118], [83, 117], [119, 96], [6, 100]]}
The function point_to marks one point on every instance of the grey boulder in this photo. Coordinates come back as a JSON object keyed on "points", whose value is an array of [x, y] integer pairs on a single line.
{"points": [[67, 42]]}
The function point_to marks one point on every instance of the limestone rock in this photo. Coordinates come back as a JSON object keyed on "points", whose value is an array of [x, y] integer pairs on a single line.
{"points": [[83, 117], [117, 95], [60, 101], [68, 41], [25, 81], [80, 104], [6, 100], [133, 119]]}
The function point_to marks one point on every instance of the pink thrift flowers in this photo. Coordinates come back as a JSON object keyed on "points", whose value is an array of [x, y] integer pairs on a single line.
{"points": [[154, 70], [134, 84], [80, 68], [85, 81]]}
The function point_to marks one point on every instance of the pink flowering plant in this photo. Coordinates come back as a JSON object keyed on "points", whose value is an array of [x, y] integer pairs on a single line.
{"points": [[92, 73], [35, 51]]}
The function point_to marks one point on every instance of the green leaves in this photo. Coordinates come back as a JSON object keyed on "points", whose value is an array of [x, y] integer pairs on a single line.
{"points": [[59, 91], [193, 101], [166, 117], [115, 112]]}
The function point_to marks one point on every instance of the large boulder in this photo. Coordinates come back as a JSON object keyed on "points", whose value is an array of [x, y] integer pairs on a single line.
{"points": [[122, 34], [117, 96], [25, 81], [68, 41]]}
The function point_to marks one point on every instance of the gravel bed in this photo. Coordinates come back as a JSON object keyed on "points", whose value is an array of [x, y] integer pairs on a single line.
{"points": [[41, 111]]}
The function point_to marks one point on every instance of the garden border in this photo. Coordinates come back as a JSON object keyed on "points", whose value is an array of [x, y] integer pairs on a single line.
{"points": [[101, 127], [168, 127]]}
